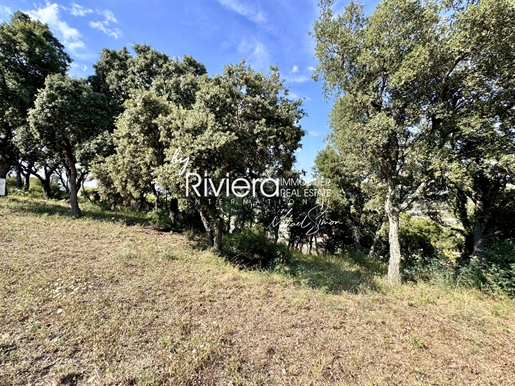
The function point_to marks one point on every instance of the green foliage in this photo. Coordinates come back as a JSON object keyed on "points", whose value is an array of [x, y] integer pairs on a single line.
{"points": [[495, 275], [500, 272], [131, 170], [423, 239], [29, 52], [379, 130], [35, 190], [424, 100], [160, 219], [417, 237], [251, 248], [242, 124], [67, 119], [144, 87], [353, 200]]}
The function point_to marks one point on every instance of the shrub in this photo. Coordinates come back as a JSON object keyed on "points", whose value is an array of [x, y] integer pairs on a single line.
{"points": [[251, 248], [495, 274], [160, 219], [500, 272], [425, 245], [35, 189]]}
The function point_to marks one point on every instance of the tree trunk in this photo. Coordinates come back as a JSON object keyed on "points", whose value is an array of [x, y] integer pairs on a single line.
{"points": [[5, 166], [19, 182], [276, 233], [26, 184], [479, 238], [84, 191], [219, 230], [394, 263], [207, 226], [356, 235], [377, 237], [173, 210], [76, 212], [65, 184], [157, 201], [229, 218], [45, 183]]}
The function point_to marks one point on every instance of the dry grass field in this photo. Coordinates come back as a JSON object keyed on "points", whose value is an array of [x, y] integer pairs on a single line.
{"points": [[98, 302]]}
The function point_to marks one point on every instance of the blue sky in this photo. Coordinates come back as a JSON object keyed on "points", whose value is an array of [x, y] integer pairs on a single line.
{"points": [[215, 32]]}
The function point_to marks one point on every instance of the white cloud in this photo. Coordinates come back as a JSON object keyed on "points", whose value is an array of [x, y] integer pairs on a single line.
{"points": [[103, 26], [298, 75], [293, 95], [256, 54], [79, 10], [74, 46], [49, 14], [298, 78], [109, 16], [5, 12], [315, 133], [246, 9], [84, 68]]}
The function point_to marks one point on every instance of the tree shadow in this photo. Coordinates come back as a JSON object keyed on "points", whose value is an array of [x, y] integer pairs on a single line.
{"points": [[351, 272], [89, 211]]}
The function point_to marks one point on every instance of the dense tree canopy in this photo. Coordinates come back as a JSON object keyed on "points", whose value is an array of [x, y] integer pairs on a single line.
{"points": [[143, 86], [241, 125], [29, 52], [67, 119], [424, 95], [377, 123]]}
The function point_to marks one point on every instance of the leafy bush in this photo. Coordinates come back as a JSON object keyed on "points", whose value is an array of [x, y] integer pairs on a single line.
{"points": [[500, 272], [160, 219], [251, 248], [495, 274], [416, 238], [35, 189], [425, 244]]}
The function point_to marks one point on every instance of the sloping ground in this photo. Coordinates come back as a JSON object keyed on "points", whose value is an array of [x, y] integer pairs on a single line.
{"points": [[92, 302]]}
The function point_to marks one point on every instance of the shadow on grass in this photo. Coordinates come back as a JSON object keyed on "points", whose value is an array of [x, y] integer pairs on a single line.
{"points": [[351, 272], [335, 274], [61, 209]]}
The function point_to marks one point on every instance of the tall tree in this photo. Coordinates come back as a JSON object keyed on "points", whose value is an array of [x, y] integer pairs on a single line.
{"points": [[68, 118], [132, 168], [28, 54], [143, 86], [241, 125], [377, 121], [478, 118]]}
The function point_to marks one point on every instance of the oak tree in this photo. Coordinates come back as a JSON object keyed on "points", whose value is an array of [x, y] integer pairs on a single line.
{"points": [[68, 119]]}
